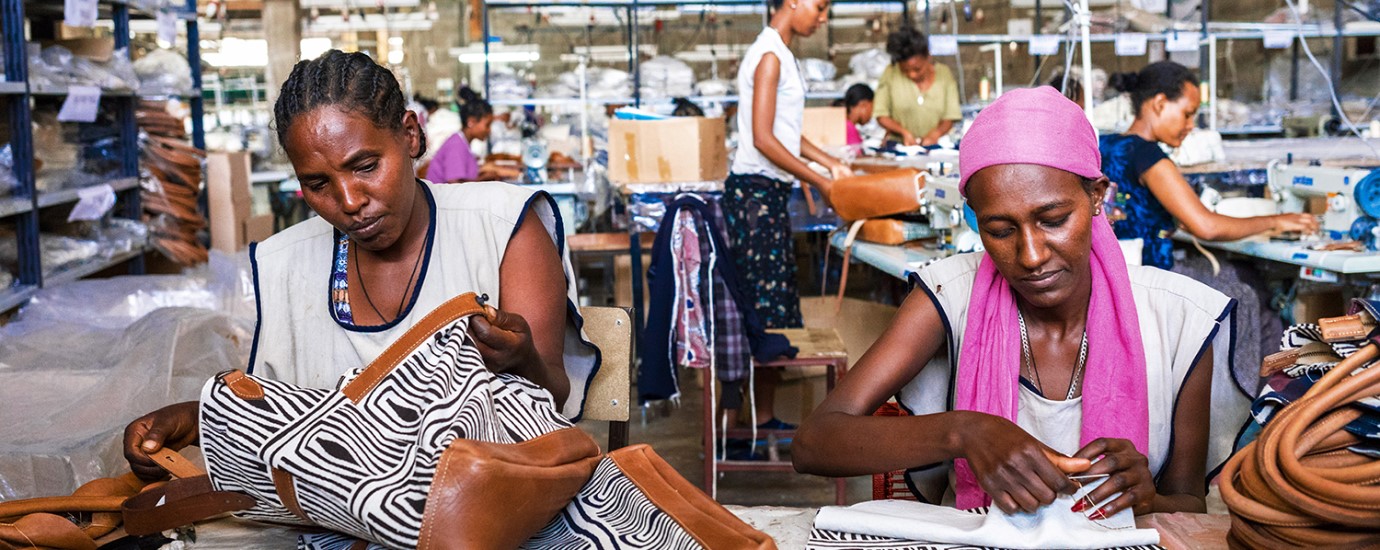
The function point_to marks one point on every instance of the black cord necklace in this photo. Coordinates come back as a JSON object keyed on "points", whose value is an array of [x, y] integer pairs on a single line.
{"points": [[406, 290]]}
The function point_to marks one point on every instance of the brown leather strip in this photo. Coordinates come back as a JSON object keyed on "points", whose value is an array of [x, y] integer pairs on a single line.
{"points": [[1276, 362], [184, 501], [16, 508], [1341, 329], [242, 385], [706, 521], [176, 464], [287, 493], [454, 309]]}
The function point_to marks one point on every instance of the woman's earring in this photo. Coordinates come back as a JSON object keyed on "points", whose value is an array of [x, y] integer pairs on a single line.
{"points": [[1097, 212]]}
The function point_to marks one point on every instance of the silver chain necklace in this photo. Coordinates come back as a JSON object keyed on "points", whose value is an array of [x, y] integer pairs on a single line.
{"points": [[1028, 358]]}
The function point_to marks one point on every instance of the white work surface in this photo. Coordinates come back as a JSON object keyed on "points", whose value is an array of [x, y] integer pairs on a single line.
{"points": [[790, 527], [1338, 261], [897, 261]]}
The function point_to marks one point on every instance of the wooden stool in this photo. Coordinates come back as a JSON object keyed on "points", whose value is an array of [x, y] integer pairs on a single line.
{"points": [[817, 347]]}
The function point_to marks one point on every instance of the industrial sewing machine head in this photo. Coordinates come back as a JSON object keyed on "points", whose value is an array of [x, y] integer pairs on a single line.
{"points": [[948, 212], [1346, 198]]}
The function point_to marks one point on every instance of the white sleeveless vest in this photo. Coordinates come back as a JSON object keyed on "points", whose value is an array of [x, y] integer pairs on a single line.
{"points": [[790, 107], [1179, 317], [298, 339]]}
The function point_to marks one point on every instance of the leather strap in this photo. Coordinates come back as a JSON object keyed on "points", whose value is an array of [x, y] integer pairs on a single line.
{"points": [[179, 502], [456, 308], [287, 493]]}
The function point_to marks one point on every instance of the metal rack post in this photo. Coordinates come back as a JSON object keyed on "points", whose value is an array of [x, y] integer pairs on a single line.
{"points": [[194, 59], [21, 142]]}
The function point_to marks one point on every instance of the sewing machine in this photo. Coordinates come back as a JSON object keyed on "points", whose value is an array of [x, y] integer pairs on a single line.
{"points": [[948, 212], [1346, 197]]}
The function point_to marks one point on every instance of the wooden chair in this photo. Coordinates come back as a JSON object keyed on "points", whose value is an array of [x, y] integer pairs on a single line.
{"points": [[610, 393]]}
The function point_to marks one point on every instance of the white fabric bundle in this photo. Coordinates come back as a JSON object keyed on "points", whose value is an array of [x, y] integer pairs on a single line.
{"points": [[1054, 526]]}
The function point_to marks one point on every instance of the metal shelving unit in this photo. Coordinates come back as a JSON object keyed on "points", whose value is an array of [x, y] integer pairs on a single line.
{"points": [[23, 206], [630, 30]]}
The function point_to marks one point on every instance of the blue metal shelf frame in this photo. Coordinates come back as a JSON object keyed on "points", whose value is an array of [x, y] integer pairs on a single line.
{"points": [[24, 204]]}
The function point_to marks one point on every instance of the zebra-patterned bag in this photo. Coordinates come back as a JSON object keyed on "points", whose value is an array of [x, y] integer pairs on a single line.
{"points": [[426, 448]]}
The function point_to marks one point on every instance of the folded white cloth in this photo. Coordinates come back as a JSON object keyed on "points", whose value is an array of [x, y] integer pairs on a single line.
{"points": [[1054, 526]]}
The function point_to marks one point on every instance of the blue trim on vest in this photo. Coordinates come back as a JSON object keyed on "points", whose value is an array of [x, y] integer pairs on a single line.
{"points": [[917, 282], [421, 278], [258, 306], [572, 310]]}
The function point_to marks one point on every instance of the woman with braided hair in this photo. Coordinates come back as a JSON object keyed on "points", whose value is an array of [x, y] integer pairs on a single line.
{"points": [[386, 248]]}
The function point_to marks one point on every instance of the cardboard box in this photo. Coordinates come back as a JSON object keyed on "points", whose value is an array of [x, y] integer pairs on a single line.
{"points": [[228, 200], [665, 151], [825, 126]]}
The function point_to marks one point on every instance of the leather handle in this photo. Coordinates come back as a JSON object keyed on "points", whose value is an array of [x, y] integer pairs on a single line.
{"points": [[176, 464], [456, 308], [179, 502]]}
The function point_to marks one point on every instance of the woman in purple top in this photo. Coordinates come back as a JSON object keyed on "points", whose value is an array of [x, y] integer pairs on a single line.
{"points": [[454, 161]]}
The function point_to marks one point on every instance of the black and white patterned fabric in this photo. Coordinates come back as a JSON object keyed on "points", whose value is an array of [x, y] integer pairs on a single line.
{"points": [[364, 470], [1300, 335]]}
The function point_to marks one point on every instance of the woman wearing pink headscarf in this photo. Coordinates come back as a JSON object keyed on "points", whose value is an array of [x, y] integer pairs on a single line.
{"points": [[1045, 356]]}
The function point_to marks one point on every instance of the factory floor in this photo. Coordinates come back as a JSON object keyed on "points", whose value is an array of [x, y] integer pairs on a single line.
{"points": [[678, 439]]}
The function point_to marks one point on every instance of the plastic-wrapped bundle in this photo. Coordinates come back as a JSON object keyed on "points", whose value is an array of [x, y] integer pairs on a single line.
{"points": [[164, 72], [508, 86], [665, 76], [714, 87], [870, 63], [58, 66], [817, 70], [172, 178]]}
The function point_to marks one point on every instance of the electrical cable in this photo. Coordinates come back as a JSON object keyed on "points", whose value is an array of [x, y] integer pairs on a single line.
{"points": [[958, 54], [1331, 90]]}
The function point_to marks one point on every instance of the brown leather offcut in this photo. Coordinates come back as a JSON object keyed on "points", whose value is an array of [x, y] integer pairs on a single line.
{"points": [[1350, 327], [35, 522], [877, 195], [1297, 485]]}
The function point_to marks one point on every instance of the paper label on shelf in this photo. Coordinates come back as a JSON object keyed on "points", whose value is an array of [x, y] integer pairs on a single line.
{"points": [[1152, 6], [92, 203], [1181, 42], [167, 27], [79, 13], [1044, 44], [943, 44], [1131, 44], [81, 104], [1278, 40]]}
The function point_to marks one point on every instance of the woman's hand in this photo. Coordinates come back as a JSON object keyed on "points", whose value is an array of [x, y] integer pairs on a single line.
{"points": [[1296, 223], [505, 341], [1015, 469], [908, 139], [174, 426], [839, 170], [1128, 473]]}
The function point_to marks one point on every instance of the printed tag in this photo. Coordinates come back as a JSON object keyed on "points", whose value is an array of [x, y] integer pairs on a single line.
{"points": [[79, 13], [1278, 40], [1131, 44], [167, 27], [93, 203], [81, 104], [943, 44], [1044, 44], [1181, 42]]}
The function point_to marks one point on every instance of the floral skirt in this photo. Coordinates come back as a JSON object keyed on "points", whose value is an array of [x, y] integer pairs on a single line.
{"points": [[759, 231]]}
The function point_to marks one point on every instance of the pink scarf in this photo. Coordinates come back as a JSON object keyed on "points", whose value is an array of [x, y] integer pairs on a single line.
{"points": [[1039, 126]]}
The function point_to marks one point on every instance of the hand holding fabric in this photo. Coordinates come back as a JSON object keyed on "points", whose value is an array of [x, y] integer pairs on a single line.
{"points": [[505, 341], [1015, 469], [1128, 474], [174, 426]]}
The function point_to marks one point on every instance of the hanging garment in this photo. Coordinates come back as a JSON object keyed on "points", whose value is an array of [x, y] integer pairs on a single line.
{"points": [[691, 339], [427, 448], [657, 377]]}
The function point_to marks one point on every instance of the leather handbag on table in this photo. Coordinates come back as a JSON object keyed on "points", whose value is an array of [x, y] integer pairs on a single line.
{"points": [[427, 448], [878, 195], [1298, 485]]}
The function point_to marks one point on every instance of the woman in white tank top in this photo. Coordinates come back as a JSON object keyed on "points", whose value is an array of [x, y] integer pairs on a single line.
{"points": [[386, 248], [764, 170]]}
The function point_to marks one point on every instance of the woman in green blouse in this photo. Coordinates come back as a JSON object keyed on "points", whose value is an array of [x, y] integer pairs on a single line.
{"points": [[917, 100]]}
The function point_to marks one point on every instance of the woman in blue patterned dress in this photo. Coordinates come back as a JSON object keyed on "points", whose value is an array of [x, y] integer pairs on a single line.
{"points": [[1149, 187]]}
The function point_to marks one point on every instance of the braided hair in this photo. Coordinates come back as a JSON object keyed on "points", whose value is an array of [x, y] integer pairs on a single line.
{"points": [[472, 106], [352, 82]]}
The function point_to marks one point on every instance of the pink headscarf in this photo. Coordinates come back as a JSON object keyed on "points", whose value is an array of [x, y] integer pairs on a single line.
{"points": [[1040, 126]]}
